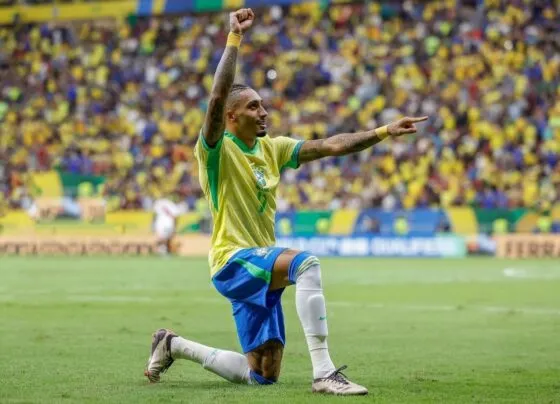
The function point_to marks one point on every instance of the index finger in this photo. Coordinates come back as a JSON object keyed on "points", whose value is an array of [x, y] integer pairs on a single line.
{"points": [[419, 119]]}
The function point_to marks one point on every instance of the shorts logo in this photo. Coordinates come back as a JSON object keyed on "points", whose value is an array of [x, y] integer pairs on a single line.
{"points": [[261, 252]]}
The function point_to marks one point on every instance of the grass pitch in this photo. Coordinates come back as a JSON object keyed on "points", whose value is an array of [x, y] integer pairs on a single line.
{"points": [[418, 331]]}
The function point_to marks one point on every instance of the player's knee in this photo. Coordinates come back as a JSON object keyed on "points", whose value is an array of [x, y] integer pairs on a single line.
{"points": [[311, 277], [271, 372], [303, 263], [265, 362]]}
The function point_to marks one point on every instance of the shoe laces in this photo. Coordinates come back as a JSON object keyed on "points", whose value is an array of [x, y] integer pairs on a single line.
{"points": [[338, 377]]}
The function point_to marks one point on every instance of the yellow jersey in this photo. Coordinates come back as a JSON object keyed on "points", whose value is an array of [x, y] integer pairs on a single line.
{"points": [[240, 185]]}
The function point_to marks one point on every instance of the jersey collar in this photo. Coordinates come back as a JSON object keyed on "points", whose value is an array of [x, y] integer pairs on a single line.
{"points": [[243, 146]]}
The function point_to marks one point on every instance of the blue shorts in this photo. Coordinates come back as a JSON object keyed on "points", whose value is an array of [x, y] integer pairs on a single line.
{"points": [[244, 280]]}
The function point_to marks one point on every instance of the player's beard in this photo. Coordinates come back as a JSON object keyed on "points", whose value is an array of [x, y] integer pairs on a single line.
{"points": [[261, 128]]}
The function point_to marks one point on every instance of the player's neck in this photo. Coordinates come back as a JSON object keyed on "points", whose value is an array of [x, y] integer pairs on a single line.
{"points": [[248, 140]]}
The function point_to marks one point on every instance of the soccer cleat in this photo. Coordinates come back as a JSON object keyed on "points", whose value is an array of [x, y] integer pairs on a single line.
{"points": [[338, 384], [160, 359]]}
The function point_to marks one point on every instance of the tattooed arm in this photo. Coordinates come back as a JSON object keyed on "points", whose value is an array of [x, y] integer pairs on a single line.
{"points": [[214, 121], [346, 143]]}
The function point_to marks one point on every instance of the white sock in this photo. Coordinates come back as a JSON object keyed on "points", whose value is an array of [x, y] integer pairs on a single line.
{"points": [[230, 365], [312, 312]]}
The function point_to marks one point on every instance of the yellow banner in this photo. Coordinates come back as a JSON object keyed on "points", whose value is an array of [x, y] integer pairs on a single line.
{"points": [[15, 221], [79, 245], [71, 11], [44, 219], [136, 220]]}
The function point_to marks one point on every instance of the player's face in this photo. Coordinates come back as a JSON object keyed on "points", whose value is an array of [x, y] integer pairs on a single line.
{"points": [[251, 114]]}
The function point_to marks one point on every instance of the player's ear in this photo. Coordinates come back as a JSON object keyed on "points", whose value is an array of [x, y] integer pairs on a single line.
{"points": [[230, 115]]}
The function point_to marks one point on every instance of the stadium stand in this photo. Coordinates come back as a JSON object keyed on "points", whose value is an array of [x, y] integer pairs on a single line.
{"points": [[122, 101]]}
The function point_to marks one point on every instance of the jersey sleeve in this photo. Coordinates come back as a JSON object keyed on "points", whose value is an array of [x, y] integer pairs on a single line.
{"points": [[209, 160], [204, 152], [287, 151]]}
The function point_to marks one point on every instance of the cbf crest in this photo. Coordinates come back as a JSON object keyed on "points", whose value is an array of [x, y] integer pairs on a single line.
{"points": [[260, 177]]}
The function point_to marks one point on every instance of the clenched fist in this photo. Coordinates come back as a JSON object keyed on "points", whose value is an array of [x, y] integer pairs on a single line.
{"points": [[241, 20]]}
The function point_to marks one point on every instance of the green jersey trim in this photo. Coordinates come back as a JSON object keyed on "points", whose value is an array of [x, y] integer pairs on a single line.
{"points": [[213, 168], [254, 270], [243, 146], [294, 159], [207, 147]]}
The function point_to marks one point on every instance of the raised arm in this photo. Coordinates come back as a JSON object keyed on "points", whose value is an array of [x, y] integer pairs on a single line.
{"points": [[214, 121], [346, 143]]}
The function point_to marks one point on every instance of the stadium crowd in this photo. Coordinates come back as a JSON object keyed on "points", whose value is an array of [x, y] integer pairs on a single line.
{"points": [[126, 99]]}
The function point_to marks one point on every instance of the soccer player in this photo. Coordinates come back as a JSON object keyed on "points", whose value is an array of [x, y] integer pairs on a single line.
{"points": [[166, 212], [239, 169]]}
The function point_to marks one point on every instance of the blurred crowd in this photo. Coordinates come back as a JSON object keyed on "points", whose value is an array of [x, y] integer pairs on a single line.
{"points": [[126, 100]]}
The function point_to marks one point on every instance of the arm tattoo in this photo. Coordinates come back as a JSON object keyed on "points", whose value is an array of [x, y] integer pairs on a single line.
{"points": [[311, 150], [214, 122], [338, 145]]}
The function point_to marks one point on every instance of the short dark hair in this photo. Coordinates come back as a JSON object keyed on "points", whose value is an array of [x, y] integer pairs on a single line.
{"points": [[234, 92], [238, 87]]}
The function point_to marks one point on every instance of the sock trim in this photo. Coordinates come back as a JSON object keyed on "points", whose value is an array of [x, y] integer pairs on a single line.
{"points": [[301, 263], [263, 381]]}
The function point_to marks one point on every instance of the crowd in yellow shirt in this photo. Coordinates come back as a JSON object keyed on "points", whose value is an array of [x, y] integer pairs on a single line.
{"points": [[126, 99]]}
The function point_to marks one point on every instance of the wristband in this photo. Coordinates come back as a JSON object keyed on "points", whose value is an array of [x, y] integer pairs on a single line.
{"points": [[234, 39], [382, 132]]}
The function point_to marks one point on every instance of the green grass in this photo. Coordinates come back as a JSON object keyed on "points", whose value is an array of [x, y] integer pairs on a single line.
{"points": [[417, 331]]}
